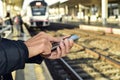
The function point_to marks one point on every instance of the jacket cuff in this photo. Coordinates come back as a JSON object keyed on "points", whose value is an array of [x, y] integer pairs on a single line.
{"points": [[36, 59]]}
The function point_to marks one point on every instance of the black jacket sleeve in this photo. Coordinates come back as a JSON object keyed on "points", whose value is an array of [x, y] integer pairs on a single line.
{"points": [[37, 59], [13, 55]]}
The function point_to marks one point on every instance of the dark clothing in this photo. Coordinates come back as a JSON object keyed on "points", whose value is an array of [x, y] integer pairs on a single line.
{"points": [[13, 56], [9, 21], [7, 76], [18, 22]]}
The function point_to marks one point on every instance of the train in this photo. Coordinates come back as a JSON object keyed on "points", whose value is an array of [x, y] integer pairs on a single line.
{"points": [[37, 14]]}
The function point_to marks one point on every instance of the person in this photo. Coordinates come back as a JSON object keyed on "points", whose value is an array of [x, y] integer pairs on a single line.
{"points": [[18, 22], [8, 21], [14, 54], [61, 18]]}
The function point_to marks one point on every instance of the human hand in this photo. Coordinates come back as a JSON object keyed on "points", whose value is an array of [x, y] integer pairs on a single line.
{"points": [[40, 44], [61, 51]]}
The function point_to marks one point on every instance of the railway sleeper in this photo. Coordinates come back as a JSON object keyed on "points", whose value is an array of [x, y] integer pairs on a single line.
{"points": [[115, 77]]}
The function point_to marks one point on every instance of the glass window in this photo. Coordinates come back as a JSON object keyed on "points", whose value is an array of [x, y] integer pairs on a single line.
{"points": [[38, 11]]}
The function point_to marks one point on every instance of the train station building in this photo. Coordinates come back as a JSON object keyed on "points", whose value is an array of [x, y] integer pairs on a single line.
{"points": [[94, 15], [105, 11], [94, 10]]}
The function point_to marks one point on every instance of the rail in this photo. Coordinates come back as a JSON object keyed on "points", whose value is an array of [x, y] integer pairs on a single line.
{"points": [[101, 65], [70, 70]]}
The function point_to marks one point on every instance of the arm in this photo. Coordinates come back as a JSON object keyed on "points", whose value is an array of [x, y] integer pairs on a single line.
{"points": [[41, 44], [13, 55]]}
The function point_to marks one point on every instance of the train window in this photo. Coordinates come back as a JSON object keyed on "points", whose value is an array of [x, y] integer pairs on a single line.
{"points": [[37, 11]]}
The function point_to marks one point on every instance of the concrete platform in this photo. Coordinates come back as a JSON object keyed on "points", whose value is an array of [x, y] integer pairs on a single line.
{"points": [[113, 28], [105, 29], [95, 26]]}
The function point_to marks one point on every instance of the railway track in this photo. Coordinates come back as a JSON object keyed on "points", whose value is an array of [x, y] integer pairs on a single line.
{"points": [[104, 42], [95, 57], [87, 66]]}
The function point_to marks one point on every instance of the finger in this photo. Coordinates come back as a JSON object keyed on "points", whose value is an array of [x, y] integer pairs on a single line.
{"points": [[65, 37], [59, 54], [67, 45], [71, 43], [54, 39], [47, 48], [62, 47], [53, 55]]}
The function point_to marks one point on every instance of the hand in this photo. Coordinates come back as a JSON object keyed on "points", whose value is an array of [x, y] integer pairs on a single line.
{"points": [[40, 44], [61, 51]]}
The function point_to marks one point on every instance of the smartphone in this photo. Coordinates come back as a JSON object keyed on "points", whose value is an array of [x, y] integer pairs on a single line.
{"points": [[73, 37]]}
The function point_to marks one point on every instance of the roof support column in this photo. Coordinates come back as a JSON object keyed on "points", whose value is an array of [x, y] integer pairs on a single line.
{"points": [[80, 13], [119, 13], [1, 8], [104, 11], [66, 9], [4, 8], [119, 8], [80, 7]]}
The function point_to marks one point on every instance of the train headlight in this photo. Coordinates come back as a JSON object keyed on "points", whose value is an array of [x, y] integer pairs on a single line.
{"points": [[38, 4]]}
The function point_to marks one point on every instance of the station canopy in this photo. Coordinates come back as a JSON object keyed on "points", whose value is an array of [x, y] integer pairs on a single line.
{"points": [[18, 3], [83, 2]]}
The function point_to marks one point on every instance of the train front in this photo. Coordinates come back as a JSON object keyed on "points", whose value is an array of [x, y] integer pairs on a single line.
{"points": [[39, 14]]}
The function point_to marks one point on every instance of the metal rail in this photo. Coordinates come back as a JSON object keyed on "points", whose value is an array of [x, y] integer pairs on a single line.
{"points": [[70, 70], [101, 57], [96, 54]]}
